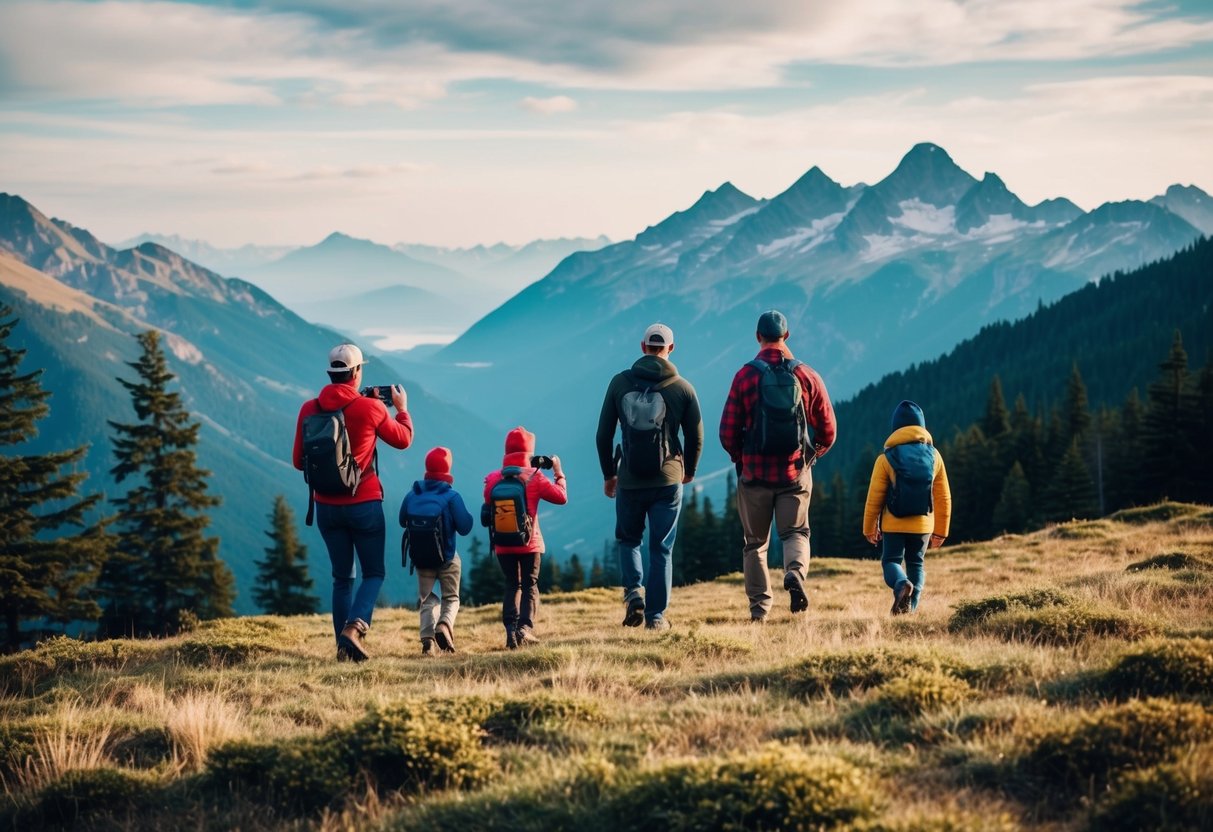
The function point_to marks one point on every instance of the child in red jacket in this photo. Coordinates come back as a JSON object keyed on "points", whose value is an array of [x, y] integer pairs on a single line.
{"points": [[519, 546]]}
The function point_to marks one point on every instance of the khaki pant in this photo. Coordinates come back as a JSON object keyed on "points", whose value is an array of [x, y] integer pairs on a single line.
{"points": [[757, 504], [447, 579]]}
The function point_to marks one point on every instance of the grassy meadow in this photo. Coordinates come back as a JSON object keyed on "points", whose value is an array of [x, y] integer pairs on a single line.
{"points": [[1059, 680]]}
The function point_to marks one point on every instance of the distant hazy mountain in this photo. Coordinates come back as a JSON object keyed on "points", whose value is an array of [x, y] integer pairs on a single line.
{"points": [[505, 268], [232, 262], [873, 278], [1189, 202], [244, 363]]}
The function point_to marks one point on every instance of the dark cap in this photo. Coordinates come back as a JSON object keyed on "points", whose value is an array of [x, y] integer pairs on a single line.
{"points": [[772, 324], [908, 413]]}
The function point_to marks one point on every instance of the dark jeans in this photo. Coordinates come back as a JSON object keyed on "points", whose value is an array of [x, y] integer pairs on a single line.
{"points": [[660, 506], [521, 602], [911, 548], [346, 530]]}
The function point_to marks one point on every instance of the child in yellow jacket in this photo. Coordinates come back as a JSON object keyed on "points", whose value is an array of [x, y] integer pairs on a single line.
{"points": [[909, 496]]}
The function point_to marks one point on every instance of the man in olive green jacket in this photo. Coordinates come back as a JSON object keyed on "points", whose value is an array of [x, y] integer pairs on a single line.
{"points": [[650, 403]]}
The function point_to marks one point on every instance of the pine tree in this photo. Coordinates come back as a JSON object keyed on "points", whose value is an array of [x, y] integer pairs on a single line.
{"points": [[597, 576], [997, 420], [549, 575], [1170, 423], [731, 538], [1124, 451], [41, 578], [572, 577], [1077, 418], [283, 585], [165, 568], [1013, 510], [486, 581], [1071, 493]]}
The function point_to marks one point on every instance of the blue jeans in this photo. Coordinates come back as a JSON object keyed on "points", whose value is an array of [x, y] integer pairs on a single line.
{"points": [[911, 548], [346, 530], [661, 507]]}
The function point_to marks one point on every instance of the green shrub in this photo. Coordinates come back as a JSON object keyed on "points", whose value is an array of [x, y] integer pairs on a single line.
{"points": [[841, 673], [229, 641], [1094, 747], [918, 692], [532, 720], [1157, 513], [1172, 797], [951, 820], [142, 748], [16, 744], [777, 788], [1083, 530], [408, 747], [1174, 561], [58, 655], [1164, 668], [970, 614], [1067, 624], [89, 792]]}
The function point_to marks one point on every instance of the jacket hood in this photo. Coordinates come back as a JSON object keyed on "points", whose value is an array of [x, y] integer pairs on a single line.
{"points": [[519, 447], [430, 486], [653, 368], [908, 435], [906, 414], [335, 396]]}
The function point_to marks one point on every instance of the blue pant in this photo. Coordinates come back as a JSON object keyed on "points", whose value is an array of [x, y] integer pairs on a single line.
{"points": [[661, 507], [346, 530], [910, 548]]}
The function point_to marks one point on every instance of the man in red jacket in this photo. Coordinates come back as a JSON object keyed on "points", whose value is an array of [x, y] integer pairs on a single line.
{"points": [[354, 522], [766, 433]]}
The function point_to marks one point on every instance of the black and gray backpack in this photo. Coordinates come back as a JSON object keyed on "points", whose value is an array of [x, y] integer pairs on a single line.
{"points": [[329, 466], [780, 426], [646, 439]]}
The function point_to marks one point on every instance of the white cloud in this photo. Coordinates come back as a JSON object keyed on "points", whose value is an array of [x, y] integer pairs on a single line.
{"points": [[549, 106], [409, 54]]}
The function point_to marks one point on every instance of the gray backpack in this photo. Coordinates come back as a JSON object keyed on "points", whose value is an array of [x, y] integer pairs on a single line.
{"points": [[642, 415]]}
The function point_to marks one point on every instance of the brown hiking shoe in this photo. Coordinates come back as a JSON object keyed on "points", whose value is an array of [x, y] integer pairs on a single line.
{"points": [[795, 588], [525, 637], [351, 640], [901, 598], [442, 635], [427, 647]]}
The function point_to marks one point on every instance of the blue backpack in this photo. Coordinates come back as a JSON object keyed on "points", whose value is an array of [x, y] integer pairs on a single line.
{"points": [[424, 539], [914, 476]]}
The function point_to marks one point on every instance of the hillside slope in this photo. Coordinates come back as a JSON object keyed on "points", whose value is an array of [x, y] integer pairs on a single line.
{"points": [[1059, 680]]}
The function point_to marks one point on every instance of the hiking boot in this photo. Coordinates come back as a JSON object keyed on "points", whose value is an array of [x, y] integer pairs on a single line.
{"points": [[758, 619], [342, 654], [427, 647], [511, 640], [634, 616], [901, 598], [795, 588], [442, 635], [525, 637], [657, 624], [351, 640]]}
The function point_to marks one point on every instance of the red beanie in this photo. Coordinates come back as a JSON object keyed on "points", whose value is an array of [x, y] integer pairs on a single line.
{"points": [[438, 465], [520, 441]]}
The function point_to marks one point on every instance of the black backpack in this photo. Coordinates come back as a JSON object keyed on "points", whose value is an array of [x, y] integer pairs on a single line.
{"points": [[780, 426], [913, 478], [424, 539], [505, 514], [646, 442], [329, 466]]}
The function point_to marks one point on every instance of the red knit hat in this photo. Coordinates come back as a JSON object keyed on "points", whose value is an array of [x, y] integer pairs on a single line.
{"points": [[438, 465], [520, 441]]}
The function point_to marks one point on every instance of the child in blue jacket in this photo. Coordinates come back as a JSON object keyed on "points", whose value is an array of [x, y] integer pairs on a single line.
{"points": [[431, 515]]}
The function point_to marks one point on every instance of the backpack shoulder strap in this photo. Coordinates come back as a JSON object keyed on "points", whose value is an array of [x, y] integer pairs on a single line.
{"points": [[759, 365], [640, 385]]}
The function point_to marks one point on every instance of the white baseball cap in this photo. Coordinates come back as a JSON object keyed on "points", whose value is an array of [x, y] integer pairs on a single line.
{"points": [[659, 335], [344, 357]]}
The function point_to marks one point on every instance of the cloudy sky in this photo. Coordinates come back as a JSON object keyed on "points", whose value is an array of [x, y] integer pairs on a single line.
{"points": [[456, 122]]}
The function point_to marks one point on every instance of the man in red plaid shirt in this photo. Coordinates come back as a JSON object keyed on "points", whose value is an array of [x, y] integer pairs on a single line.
{"points": [[775, 484]]}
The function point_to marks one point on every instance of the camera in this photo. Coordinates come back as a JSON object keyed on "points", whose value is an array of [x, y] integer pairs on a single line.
{"points": [[541, 462], [383, 392]]}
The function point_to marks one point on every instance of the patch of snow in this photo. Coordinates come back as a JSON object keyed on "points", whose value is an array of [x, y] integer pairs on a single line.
{"points": [[82, 339], [727, 221], [999, 228], [474, 365], [182, 348], [806, 238], [282, 387], [917, 215], [881, 246]]}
